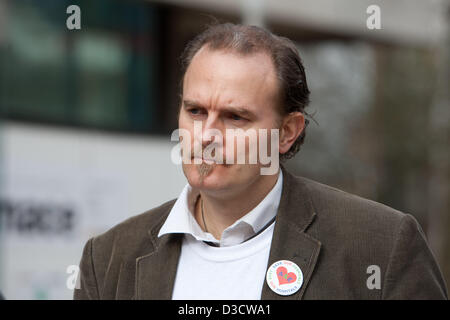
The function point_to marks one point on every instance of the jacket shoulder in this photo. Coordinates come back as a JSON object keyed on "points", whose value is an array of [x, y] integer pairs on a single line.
{"points": [[106, 255], [352, 225], [334, 203], [134, 230]]}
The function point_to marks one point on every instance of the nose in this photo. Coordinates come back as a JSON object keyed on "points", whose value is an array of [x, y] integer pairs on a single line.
{"points": [[211, 127]]}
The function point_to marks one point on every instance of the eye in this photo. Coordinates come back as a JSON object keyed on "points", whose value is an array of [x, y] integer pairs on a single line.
{"points": [[194, 111], [236, 117]]}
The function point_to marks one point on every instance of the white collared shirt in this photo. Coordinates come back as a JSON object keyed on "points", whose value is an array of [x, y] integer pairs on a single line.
{"points": [[181, 218]]}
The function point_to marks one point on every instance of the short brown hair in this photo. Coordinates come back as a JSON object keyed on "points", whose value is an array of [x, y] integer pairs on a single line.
{"points": [[247, 40]]}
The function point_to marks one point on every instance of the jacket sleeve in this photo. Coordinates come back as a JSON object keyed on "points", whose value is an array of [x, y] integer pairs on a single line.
{"points": [[87, 288], [412, 271]]}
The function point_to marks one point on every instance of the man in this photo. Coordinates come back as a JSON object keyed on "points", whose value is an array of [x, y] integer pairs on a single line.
{"points": [[235, 233]]}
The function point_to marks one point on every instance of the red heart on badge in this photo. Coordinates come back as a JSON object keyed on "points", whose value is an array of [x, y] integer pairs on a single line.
{"points": [[284, 277]]}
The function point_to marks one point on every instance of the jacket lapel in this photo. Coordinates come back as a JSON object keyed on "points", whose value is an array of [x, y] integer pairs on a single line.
{"points": [[156, 271], [290, 242]]}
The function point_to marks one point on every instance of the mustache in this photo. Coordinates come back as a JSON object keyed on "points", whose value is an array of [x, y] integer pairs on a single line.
{"points": [[214, 152]]}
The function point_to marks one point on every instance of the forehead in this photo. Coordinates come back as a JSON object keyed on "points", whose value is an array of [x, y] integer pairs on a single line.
{"points": [[217, 77]]}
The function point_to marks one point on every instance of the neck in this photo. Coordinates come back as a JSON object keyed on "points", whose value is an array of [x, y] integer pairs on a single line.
{"points": [[220, 212]]}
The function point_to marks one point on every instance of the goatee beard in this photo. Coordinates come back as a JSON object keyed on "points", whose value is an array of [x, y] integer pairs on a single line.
{"points": [[204, 169]]}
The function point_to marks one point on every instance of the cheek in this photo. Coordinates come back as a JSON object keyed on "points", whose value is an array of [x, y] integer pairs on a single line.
{"points": [[186, 126], [183, 120], [241, 149]]}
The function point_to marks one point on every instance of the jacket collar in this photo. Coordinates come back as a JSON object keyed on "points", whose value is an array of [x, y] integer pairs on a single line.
{"points": [[181, 219], [156, 270]]}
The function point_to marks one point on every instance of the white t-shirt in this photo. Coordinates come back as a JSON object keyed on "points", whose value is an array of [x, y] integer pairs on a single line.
{"points": [[234, 272]]}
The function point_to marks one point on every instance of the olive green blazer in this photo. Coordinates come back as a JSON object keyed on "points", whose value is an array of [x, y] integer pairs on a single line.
{"points": [[333, 236]]}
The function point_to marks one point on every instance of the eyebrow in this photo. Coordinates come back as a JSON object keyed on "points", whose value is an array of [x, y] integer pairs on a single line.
{"points": [[239, 110]]}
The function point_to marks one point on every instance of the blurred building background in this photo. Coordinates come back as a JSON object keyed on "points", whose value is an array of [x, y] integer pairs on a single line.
{"points": [[86, 116]]}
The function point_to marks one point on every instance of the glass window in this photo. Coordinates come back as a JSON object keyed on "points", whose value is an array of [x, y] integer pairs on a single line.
{"points": [[102, 76]]}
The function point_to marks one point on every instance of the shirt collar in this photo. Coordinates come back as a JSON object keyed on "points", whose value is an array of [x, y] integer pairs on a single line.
{"points": [[181, 219]]}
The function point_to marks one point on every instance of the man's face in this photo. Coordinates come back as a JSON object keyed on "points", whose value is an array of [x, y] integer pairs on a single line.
{"points": [[223, 90]]}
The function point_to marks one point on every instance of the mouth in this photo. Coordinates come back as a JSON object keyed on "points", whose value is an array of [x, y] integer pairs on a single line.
{"points": [[204, 160]]}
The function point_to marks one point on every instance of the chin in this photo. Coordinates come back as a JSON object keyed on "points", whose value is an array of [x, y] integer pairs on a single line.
{"points": [[209, 177], [222, 178]]}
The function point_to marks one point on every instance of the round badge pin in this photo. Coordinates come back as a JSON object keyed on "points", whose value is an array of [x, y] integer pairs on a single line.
{"points": [[284, 277]]}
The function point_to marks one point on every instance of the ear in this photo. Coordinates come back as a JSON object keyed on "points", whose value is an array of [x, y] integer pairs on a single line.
{"points": [[291, 127]]}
